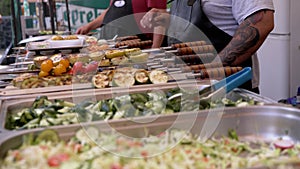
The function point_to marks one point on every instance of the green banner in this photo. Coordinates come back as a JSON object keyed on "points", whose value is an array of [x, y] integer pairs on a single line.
{"points": [[79, 15], [99, 4]]}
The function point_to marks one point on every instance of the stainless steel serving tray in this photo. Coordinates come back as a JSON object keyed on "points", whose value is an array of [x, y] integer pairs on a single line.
{"points": [[255, 122], [14, 105], [238, 93]]}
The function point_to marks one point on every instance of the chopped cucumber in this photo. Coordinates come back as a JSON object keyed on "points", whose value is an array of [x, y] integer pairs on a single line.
{"points": [[48, 135]]}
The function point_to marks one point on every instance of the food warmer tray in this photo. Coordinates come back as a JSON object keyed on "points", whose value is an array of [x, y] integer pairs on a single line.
{"points": [[265, 123], [17, 102], [13, 105]]}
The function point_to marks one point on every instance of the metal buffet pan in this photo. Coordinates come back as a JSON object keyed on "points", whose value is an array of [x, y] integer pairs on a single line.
{"points": [[238, 93], [257, 122], [12, 106]]}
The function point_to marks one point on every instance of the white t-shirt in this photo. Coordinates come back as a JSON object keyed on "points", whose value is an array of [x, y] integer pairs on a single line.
{"points": [[228, 14]]}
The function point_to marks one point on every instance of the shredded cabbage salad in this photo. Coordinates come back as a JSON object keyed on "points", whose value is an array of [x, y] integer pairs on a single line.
{"points": [[81, 152]]}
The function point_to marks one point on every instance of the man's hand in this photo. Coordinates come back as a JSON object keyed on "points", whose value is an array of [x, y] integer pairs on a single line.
{"points": [[0, 19], [83, 30], [156, 17]]}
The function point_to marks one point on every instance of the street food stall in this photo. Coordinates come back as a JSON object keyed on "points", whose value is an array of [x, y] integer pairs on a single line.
{"points": [[77, 101]]}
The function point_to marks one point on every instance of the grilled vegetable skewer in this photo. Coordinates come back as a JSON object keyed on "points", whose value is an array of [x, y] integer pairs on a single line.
{"points": [[212, 73], [178, 45], [123, 38], [136, 44], [194, 50], [195, 58], [141, 44], [197, 68], [187, 44], [216, 73], [127, 42]]}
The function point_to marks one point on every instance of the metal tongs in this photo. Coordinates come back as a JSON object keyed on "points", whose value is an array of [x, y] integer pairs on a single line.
{"points": [[226, 85], [223, 86], [217, 91]]}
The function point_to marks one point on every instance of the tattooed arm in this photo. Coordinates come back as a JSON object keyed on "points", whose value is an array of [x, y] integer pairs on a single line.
{"points": [[248, 38]]}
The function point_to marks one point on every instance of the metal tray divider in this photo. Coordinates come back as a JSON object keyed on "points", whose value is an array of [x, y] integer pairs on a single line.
{"points": [[68, 89]]}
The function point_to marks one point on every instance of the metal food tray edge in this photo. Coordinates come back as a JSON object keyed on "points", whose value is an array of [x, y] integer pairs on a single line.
{"points": [[77, 95], [261, 122], [68, 89], [7, 104]]}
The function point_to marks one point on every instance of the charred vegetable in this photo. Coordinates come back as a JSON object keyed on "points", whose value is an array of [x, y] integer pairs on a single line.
{"points": [[100, 80], [123, 79], [109, 54], [158, 76], [141, 76]]}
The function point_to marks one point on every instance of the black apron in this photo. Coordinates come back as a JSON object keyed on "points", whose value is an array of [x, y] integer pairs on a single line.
{"points": [[195, 25], [119, 21]]}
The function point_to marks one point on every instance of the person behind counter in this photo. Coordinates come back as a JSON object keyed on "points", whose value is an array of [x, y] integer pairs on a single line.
{"points": [[113, 22], [236, 28]]}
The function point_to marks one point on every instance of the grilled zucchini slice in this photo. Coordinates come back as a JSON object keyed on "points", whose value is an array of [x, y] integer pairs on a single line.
{"points": [[109, 54], [143, 57], [158, 77], [141, 76], [100, 80], [123, 79]]}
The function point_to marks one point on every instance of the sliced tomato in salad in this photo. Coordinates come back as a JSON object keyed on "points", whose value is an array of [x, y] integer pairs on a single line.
{"points": [[116, 166], [144, 154], [56, 160], [53, 162]]}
